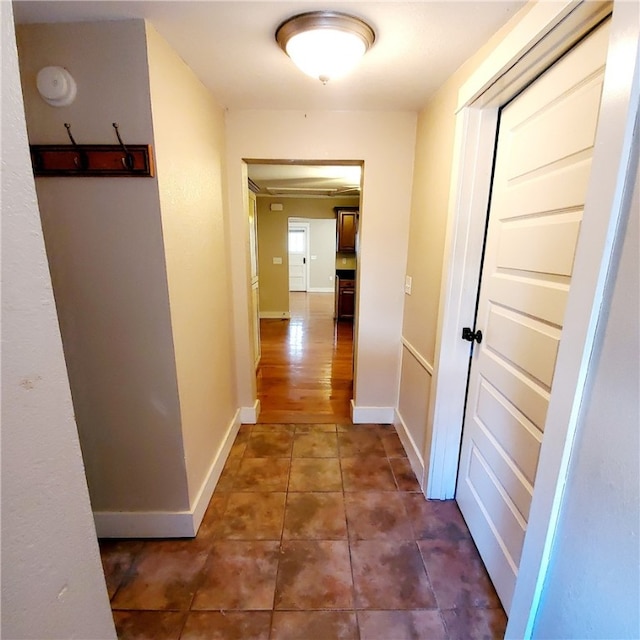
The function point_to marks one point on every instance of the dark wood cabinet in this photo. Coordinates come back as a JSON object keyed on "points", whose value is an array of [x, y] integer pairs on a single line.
{"points": [[345, 298], [347, 229]]}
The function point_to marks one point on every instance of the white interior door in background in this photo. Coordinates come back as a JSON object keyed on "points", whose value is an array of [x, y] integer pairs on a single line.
{"points": [[298, 247], [545, 144]]}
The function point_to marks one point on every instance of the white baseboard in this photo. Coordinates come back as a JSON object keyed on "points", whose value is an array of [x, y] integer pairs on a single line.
{"points": [[168, 524], [413, 453], [370, 415], [275, 315], [144, 524], [249, 415], [321, 290], [200, 503]]}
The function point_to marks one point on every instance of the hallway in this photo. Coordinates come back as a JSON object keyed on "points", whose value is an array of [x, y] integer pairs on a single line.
{"points": [[317, 528], [313, 532]]}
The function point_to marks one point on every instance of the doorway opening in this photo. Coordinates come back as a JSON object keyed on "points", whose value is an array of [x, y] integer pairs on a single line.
{"points": [[305, 364]]}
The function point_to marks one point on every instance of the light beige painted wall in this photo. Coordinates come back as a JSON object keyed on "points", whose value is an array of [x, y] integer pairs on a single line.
{"points": [[385, 142], [429, 207], [272, 242], [189, 148], [52, 580], [105, 248], [413, 401]]}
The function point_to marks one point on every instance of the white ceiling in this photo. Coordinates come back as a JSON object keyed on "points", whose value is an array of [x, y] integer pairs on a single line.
{"points": [[306, 179], [231, 46]]}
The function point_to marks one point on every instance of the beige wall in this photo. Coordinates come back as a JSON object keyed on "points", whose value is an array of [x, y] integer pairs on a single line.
{"points": [[52, 580], [105, 247], [385, 142], [189, 144], [272, 242], [429, 207]]}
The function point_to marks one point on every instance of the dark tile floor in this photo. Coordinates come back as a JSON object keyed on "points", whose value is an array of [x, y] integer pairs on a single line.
{"points": [[313, 532]]}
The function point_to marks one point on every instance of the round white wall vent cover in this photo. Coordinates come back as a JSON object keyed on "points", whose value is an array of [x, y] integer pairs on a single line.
{"points": [[56, 86]]}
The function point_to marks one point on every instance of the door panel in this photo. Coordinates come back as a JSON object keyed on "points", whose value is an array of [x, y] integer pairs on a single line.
{"points": [[543, 160], [298, 243], [520, 242], [510, 430], [530, 398]]}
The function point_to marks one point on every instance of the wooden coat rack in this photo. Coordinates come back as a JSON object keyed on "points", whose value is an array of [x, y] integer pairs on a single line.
{"points": [[92, 160]]}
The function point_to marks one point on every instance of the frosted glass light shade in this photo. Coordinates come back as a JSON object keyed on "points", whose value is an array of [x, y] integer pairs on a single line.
{"points": [[325, 44]]}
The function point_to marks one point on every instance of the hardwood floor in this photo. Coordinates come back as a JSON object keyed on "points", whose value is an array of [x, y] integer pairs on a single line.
{"points": [[306, 369]]}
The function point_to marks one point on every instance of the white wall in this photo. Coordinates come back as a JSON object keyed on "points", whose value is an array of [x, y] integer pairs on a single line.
{"points": [[592, 588], [52, 581], [385, 142], [322, 254]]}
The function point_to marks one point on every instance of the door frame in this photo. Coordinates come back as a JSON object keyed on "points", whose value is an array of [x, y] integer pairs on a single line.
{"points": [[544, 34], [292, 223]]}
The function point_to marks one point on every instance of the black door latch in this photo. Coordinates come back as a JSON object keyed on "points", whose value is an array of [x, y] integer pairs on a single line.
{"points": [[471, 336]]}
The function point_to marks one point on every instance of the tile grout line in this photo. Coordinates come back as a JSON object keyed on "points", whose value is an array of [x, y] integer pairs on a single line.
{"points": [[353, 580], [284, 516]]}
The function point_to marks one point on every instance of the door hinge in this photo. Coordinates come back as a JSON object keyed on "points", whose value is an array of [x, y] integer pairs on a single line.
{"points": [[471, 336]]}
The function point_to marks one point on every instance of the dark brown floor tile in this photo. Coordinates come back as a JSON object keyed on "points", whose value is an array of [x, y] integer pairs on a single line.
{"points": [[117, 557], [475, 624], [360, 443], [315, 474], [393, 446], [253, 516], [273, 428], [315, 516], [262, 474], [315, 445], [239, 575], [237, 450], [315, 428], [265, 444], [380, 429], [457, 574], [314, 625], [164, 576], [390, 575], [240, 442], [227, 625], [213, 517], [435, 519], [403, 473], [314, 575], [377, 515], [367, 474], [401, 625], [148, 625], [229, 471]]}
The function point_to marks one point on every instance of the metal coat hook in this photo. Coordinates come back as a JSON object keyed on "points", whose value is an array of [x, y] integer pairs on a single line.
{"points": [[128, 161], [81, 160], [67, 126]]}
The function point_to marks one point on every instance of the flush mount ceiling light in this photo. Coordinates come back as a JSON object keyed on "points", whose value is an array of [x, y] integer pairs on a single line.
{"points": [[325, 44]]}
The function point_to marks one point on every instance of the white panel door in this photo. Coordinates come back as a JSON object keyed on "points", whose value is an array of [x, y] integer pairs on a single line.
{"points": [[545, 144], [298, 249]]}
